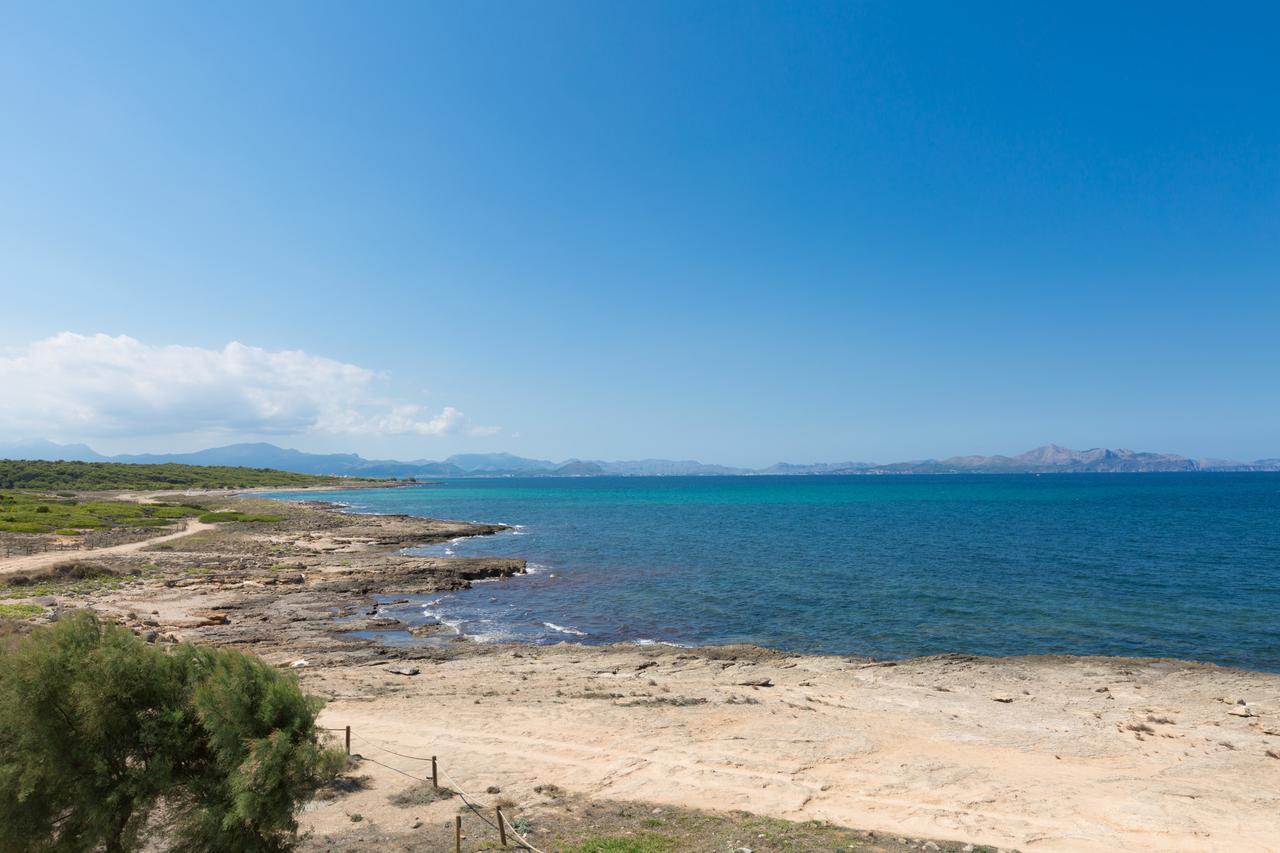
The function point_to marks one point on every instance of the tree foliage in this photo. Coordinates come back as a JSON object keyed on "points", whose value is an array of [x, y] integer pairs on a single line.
{"points": [[106, 740], [91, 476]]}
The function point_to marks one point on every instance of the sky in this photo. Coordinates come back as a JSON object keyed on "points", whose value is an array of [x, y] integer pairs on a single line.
{"points": [[731, 231]]}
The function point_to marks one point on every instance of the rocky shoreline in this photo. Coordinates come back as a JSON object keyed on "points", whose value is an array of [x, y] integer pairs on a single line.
{"points": [[304, 588]]}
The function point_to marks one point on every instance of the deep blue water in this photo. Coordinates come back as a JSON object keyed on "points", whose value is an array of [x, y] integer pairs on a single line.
{"points": [[1177, 565]]}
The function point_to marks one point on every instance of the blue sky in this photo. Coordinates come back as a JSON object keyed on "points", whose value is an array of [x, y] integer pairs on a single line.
{"points": [[730, 231]]}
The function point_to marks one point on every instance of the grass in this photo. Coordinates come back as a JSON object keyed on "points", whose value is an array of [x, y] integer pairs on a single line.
{"points": [[221, 517], [63, 578], [20, 611], [624, 844], [24, 512], [572, 824]]}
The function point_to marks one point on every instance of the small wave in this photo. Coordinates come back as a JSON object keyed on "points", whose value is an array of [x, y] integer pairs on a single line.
{"points": [[535, 568], [454, 624], [648, 642], [565, 630]]}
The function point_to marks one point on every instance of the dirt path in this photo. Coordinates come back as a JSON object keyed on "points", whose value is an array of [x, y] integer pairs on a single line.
{"points": [[33, 562]]}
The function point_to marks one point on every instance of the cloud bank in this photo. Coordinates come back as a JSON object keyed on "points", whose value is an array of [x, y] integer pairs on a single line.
{"points": [[84, 386]]}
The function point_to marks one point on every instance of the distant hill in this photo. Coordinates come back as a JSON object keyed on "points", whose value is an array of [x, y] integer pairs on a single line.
{"points": [[817, 468], [489, 463], [1049, 459], [50, 452], [668, 468]]}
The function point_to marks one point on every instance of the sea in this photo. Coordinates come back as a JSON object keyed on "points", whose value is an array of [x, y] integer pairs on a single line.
{"points": [[1180, 565]]}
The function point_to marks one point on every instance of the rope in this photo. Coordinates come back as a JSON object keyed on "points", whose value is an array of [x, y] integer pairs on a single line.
{"points": [[457, 789], [492, 825], [392, 751]]}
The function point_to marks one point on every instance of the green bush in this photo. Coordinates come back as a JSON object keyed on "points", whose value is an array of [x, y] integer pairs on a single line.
{"points": [[109, 742], [20, 611]]}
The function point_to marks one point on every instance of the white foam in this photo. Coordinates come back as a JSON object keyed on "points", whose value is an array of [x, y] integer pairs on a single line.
{"points": [[535, 568], [648, 642], [565, 630]]}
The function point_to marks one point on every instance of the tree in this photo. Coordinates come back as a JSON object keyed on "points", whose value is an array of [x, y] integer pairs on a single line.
{"points": [[98, 730]]}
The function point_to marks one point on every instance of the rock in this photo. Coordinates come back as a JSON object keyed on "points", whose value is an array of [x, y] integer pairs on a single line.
{"points": [[1239, 711], [403, 669], [757, 682], [1002, 697], [150, 636], [298, 663], [930, 845]]}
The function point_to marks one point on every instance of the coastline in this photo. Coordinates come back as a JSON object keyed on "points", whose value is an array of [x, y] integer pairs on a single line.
{"points": [[1046, 752]]}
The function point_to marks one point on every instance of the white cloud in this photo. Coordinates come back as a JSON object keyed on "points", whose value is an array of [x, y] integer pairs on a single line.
{"points": [[78, 386]]}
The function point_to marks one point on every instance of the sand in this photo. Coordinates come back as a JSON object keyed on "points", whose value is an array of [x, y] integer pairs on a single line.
{"points": [[1040, 753]]}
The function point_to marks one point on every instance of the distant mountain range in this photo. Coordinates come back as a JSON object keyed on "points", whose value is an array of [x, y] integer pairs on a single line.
{"points": [[1050, 459]]}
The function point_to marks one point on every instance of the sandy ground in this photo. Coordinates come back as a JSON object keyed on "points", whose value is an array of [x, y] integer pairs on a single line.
{"points": [[34, 562], [1047, 753]]}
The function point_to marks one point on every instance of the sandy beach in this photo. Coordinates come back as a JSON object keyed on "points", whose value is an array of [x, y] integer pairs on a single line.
{"points": [[1036, 753]]}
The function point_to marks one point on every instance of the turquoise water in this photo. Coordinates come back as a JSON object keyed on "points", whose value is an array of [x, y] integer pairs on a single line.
{"points": [[1177, 565]]}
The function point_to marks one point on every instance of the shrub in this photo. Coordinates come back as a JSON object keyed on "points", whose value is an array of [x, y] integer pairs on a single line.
{"points": [[20, 611], [100, 729]]}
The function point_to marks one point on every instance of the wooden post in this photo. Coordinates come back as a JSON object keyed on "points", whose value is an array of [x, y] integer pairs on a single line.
{"points": [[457, 833], [435, 774], [348, 740], [502, 827]]}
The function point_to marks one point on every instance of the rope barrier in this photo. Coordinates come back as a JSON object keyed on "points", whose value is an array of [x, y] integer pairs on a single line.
{"points": [[454, 786]]}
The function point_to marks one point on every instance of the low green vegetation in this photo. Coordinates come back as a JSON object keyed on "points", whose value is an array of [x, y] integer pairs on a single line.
{"points": [[221, 517], [22, 512], [113, 744], [20, 611], [97, 476], [73, 576], [624, 844], [579, 825]]}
